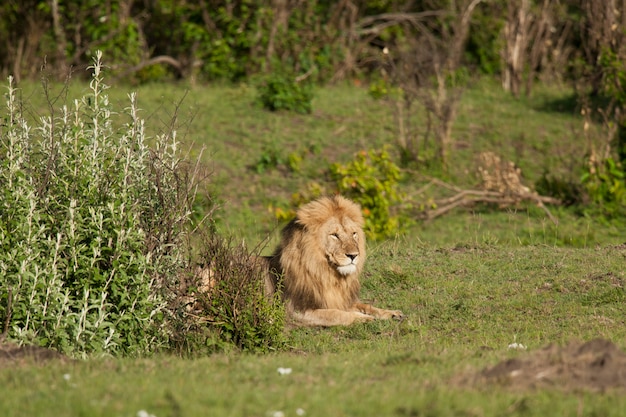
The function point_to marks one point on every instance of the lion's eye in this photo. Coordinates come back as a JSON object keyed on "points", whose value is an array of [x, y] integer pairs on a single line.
{"points": [[334, 236]]}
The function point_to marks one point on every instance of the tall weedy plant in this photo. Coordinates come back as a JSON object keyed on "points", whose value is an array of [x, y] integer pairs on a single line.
{"points": [[91, 226]]}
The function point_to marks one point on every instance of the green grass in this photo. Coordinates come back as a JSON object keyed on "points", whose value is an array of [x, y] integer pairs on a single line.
{"points": [[367, 385], [471, 282], [465, 305]]}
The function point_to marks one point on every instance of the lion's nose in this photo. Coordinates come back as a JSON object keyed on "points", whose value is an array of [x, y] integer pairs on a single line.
{"points": [[352, 256]]}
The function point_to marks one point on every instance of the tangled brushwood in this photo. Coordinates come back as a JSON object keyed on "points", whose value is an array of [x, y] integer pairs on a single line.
{"points": [[92, 225], [227, 301], [500, 184]]}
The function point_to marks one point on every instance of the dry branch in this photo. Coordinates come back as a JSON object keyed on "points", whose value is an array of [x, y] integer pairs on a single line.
{"points": [[468, 198], [501, 185], [374, 25], [162, 59]]}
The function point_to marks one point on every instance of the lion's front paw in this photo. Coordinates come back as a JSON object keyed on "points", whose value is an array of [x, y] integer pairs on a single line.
{"points": [[397, 315], [391, 314]]}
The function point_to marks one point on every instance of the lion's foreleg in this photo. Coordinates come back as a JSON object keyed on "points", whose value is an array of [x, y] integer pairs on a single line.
{"points": [[329, 317]]}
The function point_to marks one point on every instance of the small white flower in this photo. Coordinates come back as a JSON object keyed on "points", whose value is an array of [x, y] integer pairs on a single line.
{"points": [[276, 414], [300, 411], [144, 413], [67, 377], [284, 371], [516, 345], [385, 50]]}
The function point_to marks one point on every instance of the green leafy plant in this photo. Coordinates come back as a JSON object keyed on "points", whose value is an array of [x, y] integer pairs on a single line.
{"points": [[282, 91], [92, 222], [272, 158], [294, 161], [605, 182], [371, 179], [604, 173], [269, 159], [380, 89]]}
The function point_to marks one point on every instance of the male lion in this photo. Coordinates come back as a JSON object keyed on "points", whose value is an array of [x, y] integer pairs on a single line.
{"points": [[317, 265]]}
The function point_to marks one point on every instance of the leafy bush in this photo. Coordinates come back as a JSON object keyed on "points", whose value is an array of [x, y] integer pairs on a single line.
{"points": [[281, 91], [605, 182], [604, 174], [273, 158], [381, 88], [371, 179], [91, 225], [270, 158]]}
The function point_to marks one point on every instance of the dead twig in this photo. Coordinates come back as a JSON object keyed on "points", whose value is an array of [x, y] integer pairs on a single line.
{"points": [[501, 184], [179, 67], [7, 319]]}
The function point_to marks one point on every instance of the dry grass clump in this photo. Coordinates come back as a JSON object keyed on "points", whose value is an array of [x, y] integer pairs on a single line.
{"points": [[226, 301]]}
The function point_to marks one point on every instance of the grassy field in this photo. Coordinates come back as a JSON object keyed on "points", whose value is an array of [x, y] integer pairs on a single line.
{"points": [[471, 283], [465, 307]]}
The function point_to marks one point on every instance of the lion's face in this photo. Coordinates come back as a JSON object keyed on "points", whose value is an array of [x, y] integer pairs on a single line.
{"points": [[333, 228], [340, 240]]}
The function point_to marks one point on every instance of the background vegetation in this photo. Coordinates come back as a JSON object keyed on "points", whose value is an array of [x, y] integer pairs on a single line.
{"points": [[418, 56]]}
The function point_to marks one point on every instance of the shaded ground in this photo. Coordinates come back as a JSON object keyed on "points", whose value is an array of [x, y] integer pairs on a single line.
{"points": [[597, 365], [12, 354]]}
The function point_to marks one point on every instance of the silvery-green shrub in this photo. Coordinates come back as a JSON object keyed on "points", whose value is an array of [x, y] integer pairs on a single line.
{"points": [[91, 225]]}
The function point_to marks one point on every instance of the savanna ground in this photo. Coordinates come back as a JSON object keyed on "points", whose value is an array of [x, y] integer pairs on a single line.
{"points": [[471, 283]]}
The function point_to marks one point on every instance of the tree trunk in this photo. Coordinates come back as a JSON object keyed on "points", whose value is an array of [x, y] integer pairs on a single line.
{"points": [[516, 39], [60, 40]]}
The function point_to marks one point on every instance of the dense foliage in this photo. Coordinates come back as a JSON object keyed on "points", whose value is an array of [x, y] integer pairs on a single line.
{"points": [[284, 92], [95, 236], [90, 224], [371, 179], [235, 39]]}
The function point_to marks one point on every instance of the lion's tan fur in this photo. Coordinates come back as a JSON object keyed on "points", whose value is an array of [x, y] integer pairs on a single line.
{"points": [[318, 263]]}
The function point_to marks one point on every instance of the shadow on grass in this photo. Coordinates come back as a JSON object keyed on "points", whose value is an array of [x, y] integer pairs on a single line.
{"points": [[571, 104], [567, 104]]}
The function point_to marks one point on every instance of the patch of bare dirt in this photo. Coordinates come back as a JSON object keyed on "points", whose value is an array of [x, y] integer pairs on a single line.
{"points": [[597, 365], [12, 354]]}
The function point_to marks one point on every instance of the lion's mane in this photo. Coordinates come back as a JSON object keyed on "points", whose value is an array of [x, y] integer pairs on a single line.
{"points": [[305, 276]]}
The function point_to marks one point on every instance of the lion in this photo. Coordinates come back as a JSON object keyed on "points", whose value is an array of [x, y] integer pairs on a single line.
{"points": [[317, 265]]}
